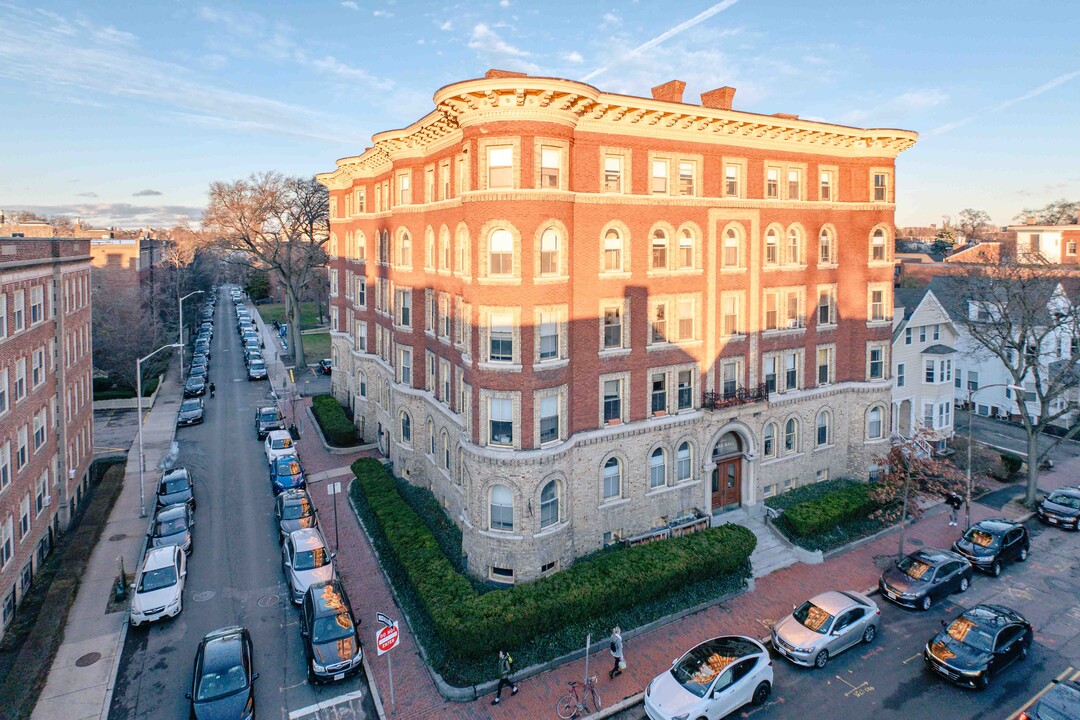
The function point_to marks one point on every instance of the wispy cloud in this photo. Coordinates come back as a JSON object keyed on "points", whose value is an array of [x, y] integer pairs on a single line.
{"points": [[120, 214], [86, 194], [485, 40], [147, 193], [666, 35], [447, 25], [573, 57], [350, 5], [382, 13], [907, 103], [1045, 87]]}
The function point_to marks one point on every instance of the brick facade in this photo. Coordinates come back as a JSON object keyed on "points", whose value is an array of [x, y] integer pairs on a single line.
{"points": [[541, 283], [46, 416]]}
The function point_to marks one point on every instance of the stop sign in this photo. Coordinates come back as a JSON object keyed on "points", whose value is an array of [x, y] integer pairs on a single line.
{"points": [[387, 638]]}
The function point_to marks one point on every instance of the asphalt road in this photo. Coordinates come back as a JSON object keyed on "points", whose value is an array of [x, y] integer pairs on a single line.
{"points": [[1013, 437], [888, 679], [234, 573]]}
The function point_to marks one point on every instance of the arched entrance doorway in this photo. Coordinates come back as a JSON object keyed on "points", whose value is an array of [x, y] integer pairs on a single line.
{"points": [[727, 474]]}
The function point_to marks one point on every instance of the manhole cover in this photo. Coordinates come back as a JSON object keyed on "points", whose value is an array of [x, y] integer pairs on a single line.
{"points": [[203, 596], [117, 536], [916, 542], [88, 659], [268, 601]]}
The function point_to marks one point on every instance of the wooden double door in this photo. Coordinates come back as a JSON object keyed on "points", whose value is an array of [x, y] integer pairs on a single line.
{"points": [[727, 483]]}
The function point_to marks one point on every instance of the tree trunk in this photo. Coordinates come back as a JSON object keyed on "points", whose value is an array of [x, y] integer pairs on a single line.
{"points": [[299, 361], [1033, 469], [903, 518]]}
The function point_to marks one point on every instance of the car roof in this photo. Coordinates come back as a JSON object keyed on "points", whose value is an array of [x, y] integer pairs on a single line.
{"points": [[191, 401], [171, 512], [833, 602], [275, 434], [293, 495], [307, 539], [329, 598], [176, 472], [267, 408], [1070, 491], [222, 651], [733, 646], [935, 556], [996, 525], [992, 615], [160, 557]]}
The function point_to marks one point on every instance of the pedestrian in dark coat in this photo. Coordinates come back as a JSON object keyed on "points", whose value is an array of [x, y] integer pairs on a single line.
{"points": [[954, 501], [213, 389], [617, 653], [504, 677]]}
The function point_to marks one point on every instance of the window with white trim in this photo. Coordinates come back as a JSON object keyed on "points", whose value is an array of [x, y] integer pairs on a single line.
{"points": [[403, 303], [549, 253], [549, 504], [660, 172], [769, 440], [732, 250], [875, 426], [732, 180], [657, 469], [500, 162], [825, 365], [612, 326], [881, 187], [658, 393], [40, 423], [501, 253], [613, 251], [784, 308], [5, 465], [37, 304], [404, 189], [686, 250], [20, 379], [659, 245], [548, 336], [683, 462], [613, 174], [7, 551], [4, 402], [3, 315], [901, 376], [549, 418], [612, 479], [406, 428], [22, 453], [501, 337], [502, 509], [730, 372], [612, 399], [684, 397], [687, 173], [825, 185], [791, 436], [875, 362], [823, 426], [878, 246], [550, 163], [794, 246], [405, 366], [826, 247], [794, 185], [500, 421], [730, 313], [878, 307], [772, 247], [19, 311], [826, 308], [772, 183]]}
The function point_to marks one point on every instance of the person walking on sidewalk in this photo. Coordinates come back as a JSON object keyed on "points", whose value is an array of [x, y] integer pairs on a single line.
{"points": [[505, 661], [617, 653], [213, 389], [954, 501]]}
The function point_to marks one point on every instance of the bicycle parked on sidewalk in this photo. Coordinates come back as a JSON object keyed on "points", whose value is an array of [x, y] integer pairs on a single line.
{"points": [[570, 705]]}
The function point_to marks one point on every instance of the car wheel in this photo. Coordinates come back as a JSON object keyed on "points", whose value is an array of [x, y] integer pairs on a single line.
{"points": [[927, 601], [964, 584], [869, 634], [1024, 553], [822, 659], [995, 569], [984, 680], [761, 693]]}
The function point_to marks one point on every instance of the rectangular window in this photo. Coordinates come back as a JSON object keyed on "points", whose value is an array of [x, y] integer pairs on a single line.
{"points": [[901, 376], [549, 253], [944, 414], [928, 416], [881, 187], [5, 465], [826, 314], [501, 337], [730, 313], [20, 379], [549, 336], [612, 327], [729, 376], [658, 393], [404, 303], [877, 305], [550, 160], [500, 167], [686, 178], [3, 315], [770, 373], [826, 185], [362, 340], [824, 366], [772, 298], [361, 292], [793, 185], [928, 368], [37, 369], [21, 450], [772, 183], [429, 185], [731, 180], [40, 421], [658, 326], [612, 400], [37, 304], [501, 415], [685, 395], [404, 190], [791, 371], [613, 174], [937, 332], [405, 362], [19, 311], [659, 177], [549, 418], [877, 363], [907, 336], [3, 391], [24, 516], [686, 319], [794, 309], [7, 551], [41, 490], [444, 179]]}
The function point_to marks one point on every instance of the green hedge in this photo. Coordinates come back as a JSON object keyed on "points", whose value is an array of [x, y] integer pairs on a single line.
{"points": [[475, 626], [802, 494], [426, 505], [830, 510], [123, 392], [338, 429]]}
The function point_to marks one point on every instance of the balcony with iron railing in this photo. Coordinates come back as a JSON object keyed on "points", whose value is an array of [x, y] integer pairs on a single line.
{"points": [[732, 398]]}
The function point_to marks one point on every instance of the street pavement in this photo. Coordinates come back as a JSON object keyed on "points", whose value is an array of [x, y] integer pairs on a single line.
{"points": [[114, 431], [1012, 437]]}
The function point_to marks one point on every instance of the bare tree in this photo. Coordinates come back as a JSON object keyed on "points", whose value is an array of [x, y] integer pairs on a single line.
{"points": [[973, 224], [1058, 212], [1023, 316], [280, 224], [123, 331]]}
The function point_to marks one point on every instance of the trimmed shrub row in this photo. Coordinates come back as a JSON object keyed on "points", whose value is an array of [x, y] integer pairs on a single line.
{"points": [[476, 626], [337, 428], [802, 494], [447, 535], [832, 509]]}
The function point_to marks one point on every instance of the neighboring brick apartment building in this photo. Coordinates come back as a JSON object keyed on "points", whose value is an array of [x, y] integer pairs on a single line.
{"points": [[577, 315], [46, 415]]}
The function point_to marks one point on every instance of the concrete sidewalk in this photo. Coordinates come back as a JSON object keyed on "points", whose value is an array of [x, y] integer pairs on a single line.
{"points": [[82, 675]]}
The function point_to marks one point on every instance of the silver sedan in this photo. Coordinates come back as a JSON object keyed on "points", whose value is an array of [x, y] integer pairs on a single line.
{"points": [[826, 625]]}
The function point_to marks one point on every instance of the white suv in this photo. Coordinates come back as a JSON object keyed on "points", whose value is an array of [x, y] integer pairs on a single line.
{"points": [[159, 587], [305, 559], [278, 443]]}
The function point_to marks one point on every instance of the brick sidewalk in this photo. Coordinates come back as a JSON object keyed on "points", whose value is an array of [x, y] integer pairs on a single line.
{"points": [[647, 655]]}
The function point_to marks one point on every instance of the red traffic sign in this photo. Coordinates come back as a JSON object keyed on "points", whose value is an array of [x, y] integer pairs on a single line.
{"points": [[387, 638]]}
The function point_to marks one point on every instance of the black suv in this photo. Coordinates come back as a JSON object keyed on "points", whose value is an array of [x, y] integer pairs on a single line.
{"points": [[992, 542], [980, 643], [924, 576], [266, 419], [331, 642], [1062, 508]]}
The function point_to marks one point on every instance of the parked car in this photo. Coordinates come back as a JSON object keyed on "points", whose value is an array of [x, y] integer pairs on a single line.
{"points": [[979, 644], [1060, 702], [202, 347], [251, 355], [294, 511], [195, 386], [191, 412], [200, 360], [257, 370], [926, 575], [172, 526], [1061, 507], [286, 474], [159, 586], [223, 685], [176, 486], [305, 559], [328, 629], [826, 625], [266, 419], [325, 366], [201, 371], [277, 444], [712, 680], [990, 543]]}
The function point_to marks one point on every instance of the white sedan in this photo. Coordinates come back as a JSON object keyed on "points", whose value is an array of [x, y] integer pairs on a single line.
{"points": [[278, 444], [159, 587]]}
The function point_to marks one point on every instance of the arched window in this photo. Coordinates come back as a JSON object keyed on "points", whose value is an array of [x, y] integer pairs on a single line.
{"points": [[406, 427], [683, 462], [824, 428], [657, 469], [612, 479], [826, 249], [794, 246], [770, 440], [613, 251], [659, 250], [501, 252], [877, 246], [686, 250], [431, 438], [549, 252], [361, 384], [549, 504], [446, 450], [429, 248], [384, 247], [406, 249], [874, 425], [502, 509], [791, 435], [444, 249], [772, 248], [731, 248]]}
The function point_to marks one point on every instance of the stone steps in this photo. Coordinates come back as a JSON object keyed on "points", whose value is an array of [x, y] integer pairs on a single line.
{"points": [[771, 553]]}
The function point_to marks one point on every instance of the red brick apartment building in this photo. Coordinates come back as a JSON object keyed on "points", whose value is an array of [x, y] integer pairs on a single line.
{"points": [[576, 315], [46, 416]]}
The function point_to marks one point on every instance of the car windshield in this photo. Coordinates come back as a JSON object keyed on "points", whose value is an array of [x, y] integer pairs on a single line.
{"points": [[219, 684], [282, 442], [174, 485], [914, 568], [288, 467], [195, 380], [189, 406], [975, 536], [311, 559], [171, 527], [296, 510], [152, 580], [268, 416], [258, 365], [811, 616], [969, 633], [1068, 501], [699, 667], [335, 627]]}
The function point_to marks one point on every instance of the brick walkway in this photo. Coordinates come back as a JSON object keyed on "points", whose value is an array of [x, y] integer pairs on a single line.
{"points": [[647, 655]]}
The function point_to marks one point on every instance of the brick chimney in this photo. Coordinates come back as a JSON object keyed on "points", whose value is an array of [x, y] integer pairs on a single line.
{"points": [[718, 99], [669, 92], [493, 73], [1030, 220]]}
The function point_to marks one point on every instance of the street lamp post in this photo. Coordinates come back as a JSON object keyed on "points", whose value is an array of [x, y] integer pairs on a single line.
{"points": [[138, 396], [971, 412], [197, 292]]}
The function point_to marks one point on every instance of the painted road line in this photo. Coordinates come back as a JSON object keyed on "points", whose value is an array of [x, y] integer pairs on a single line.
{"points": [[326, 704], [1042, 692]]}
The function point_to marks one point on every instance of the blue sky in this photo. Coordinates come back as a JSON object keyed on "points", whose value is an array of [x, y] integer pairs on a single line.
{"points": [[124, 112]]}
